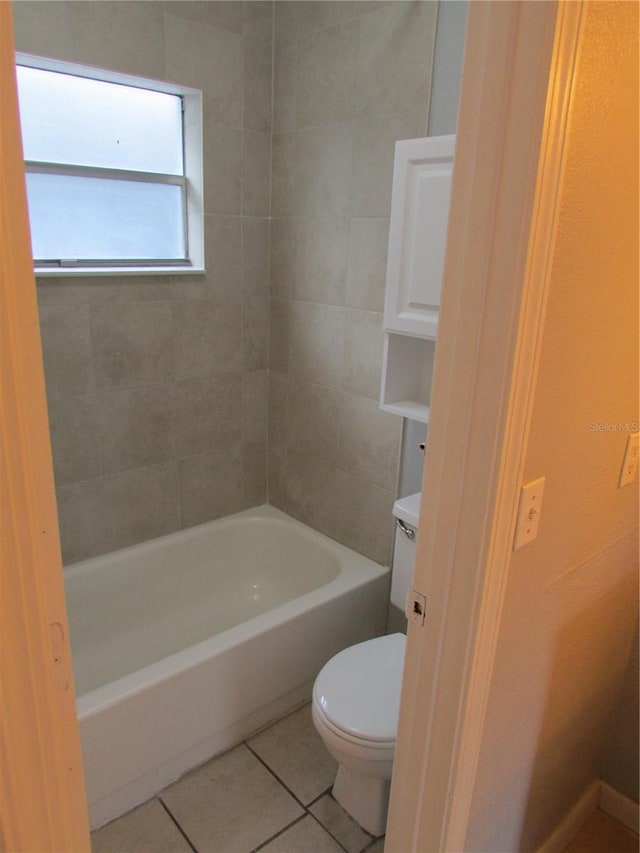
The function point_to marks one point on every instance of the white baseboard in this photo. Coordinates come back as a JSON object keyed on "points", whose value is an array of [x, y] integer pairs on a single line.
{"points": [[564, 833], [618, 806]]}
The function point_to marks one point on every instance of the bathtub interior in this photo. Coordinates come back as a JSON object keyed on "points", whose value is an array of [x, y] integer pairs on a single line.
{"points": [[132, 608]]}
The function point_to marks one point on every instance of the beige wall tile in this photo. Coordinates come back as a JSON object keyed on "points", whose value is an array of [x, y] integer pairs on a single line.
{"points": [[285, 81], [131, 344], [367, 263], [256, 102], [206, 413], [309, 493], [364, 518], [72, 291], [135, 427], [66, 347], [210, 485], [320, 260], [106, 513], [322, 170], [281, 258], [384, 85], [277, 420], [74, 426], [43, 28], [374, 147], [128, 289], [206, 337], [255, 332], [224, 14], [119, 36], [279, 335], [222, 153], [255, 257], [223, 259], [316, 14], [326, 68], [369, 441], [282, 174], [211, 62], [254, 474], [312, 421], [256, 173], [257, 19], [255, 394], [316, 347], [84, 518], [363, 343]]}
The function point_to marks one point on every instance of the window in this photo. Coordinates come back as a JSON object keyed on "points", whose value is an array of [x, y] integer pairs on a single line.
{"points": [[114, 170]]}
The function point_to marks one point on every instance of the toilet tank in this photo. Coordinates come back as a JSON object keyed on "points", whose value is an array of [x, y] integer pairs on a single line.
{"points": [[407, 512]]}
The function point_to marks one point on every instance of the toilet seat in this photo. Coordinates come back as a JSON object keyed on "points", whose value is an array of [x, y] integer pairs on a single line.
{"points": [[357, 693]]}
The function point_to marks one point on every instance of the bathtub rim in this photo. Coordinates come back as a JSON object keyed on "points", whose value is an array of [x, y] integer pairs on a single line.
{"points": [[352, 567]]}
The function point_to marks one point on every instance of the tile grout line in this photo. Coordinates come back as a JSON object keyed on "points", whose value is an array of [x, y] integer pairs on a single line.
{"points": [[179, 828], [328, 831], [279, 832], [275, 776], [300, 803]]}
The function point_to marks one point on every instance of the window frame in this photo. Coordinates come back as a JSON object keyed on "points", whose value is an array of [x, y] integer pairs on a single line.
{"points": [[191, 180]]}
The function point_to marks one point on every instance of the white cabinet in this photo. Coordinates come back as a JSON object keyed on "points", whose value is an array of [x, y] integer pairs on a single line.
{"points": [[417, 240]]}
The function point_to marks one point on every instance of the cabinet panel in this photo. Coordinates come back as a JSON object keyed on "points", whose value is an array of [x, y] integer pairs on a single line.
{"points": [[417, 234]]}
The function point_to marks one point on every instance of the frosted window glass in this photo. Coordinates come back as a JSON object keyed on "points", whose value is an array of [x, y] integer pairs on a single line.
{"points": [[75, 120], [82, 218]]}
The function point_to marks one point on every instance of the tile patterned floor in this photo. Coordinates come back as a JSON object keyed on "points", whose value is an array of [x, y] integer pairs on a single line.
{"points": [[271, 793]]}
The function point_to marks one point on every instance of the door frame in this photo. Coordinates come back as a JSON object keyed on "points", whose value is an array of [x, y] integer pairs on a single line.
{"points": [[42, 799], [517, 86]]}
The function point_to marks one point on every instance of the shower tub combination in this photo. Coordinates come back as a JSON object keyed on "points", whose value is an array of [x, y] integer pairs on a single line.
{"points": [[185, 645]]}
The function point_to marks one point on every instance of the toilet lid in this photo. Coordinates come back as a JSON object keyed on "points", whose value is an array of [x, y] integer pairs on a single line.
{"points": [[358, 690]]}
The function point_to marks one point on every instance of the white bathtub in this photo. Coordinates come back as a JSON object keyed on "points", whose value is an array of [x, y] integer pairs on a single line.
{"points": [[184, 645]]}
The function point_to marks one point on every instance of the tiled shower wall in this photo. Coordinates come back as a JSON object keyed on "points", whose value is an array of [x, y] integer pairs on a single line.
{"points": [[349, 80], [157, 386]]}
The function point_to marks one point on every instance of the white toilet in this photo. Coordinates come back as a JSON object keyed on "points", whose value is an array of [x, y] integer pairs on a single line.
{"points": [[356, 697]]}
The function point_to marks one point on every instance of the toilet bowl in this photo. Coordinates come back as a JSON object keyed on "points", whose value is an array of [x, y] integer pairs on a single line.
{"points": [[356, 698]]}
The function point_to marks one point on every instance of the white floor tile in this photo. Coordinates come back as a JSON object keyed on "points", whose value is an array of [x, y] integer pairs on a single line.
{"points": [[294, 751], [341, 825], [147, 828], [306, 836], [231, 804]]}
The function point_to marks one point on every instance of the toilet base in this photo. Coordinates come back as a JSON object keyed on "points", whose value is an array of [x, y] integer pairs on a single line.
{"points": [[365, 798]]}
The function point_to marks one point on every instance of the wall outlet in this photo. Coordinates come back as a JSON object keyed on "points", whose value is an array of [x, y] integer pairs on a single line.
{"points": [[630, 461]]}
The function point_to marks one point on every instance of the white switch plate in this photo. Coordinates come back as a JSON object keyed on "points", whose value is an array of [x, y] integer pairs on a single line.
{"points": [[529, 512], [630, 461]]}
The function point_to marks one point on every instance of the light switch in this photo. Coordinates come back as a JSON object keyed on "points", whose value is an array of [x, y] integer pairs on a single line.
{"points": [[630, 461], [529, 512]]}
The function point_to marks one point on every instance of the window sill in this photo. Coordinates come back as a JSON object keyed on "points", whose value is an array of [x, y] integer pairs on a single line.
{"points": [[76, 272]]}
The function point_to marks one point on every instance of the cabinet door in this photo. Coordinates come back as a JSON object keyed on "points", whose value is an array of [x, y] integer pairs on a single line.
{"points": [[417, 234]]}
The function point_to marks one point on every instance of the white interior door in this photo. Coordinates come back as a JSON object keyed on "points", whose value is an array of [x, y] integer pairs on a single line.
{"points": [[507, 169]]}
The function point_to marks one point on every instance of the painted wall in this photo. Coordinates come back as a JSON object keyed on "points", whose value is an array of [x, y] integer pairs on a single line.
{"points": [[349, 80], [571, 603], [620, 764], [157, 386]]}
